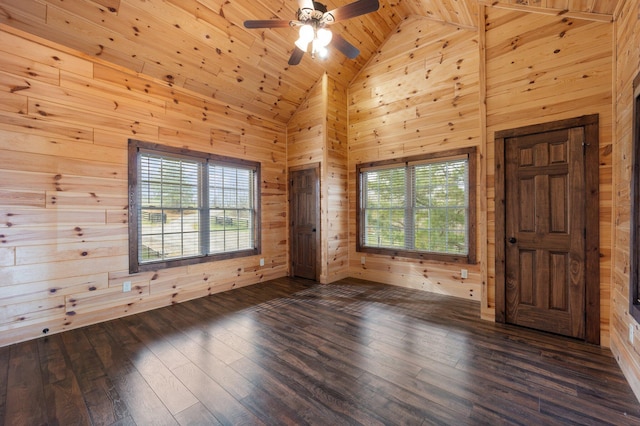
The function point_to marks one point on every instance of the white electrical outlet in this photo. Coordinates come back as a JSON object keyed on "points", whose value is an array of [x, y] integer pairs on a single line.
{"points": [[126, 286], [363, 260], [464, 273], [631, 333], [262, 261]]}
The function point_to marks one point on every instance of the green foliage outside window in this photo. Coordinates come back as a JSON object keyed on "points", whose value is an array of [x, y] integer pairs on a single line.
{"points": [[421, 207]]}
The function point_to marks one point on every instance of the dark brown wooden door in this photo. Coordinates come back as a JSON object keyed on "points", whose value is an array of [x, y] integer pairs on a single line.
{"points": [[545, 231], [305, 222]]}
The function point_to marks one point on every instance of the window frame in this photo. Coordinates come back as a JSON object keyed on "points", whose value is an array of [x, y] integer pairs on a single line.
{"points": [[470, 258], [634, 249], [134, 148]]}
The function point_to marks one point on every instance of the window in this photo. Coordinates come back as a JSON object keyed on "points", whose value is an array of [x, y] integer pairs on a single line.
{"points": [[421, 206], [189, 207], [634, 276]]}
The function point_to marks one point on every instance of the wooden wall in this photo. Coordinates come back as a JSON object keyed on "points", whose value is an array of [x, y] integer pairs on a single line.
{"points": [[627, 40], [64, 124], [317, 134], [541, 68], [306, 131], [336, 219], [419, 94]]}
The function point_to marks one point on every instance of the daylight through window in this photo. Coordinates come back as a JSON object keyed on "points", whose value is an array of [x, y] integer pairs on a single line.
{"points": [[189, 207], [418, 207]]}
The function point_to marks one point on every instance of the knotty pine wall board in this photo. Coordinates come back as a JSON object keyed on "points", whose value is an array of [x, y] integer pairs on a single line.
{"points": [[23, 198], [306, 130], [41, 290], [40, 126], [63, 200], [335, 182], [405, 102], [52, 233], [627, 40], [44, 55]]}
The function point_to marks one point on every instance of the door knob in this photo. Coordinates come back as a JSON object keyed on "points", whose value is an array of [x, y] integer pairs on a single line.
{"points": [[513, 240]]}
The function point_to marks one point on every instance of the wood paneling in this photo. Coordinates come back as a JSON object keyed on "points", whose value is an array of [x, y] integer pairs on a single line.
{"points": [[306, 132], [627, 40], [591, 10], [543, 68], [203, 46], [306, 138], [418, 95], [63, 196], [317, 133], [335, 182]]}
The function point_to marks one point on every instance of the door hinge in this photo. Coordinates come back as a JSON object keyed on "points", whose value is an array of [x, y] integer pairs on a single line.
{"points": [[584, 148]]}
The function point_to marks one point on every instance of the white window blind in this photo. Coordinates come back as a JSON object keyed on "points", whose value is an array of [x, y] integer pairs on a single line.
{"points": [[419, 206], [169, 208], [231, 208], [190, 207]]}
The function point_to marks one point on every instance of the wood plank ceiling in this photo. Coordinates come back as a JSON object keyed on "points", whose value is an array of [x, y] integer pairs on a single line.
{"points": [[202, 44]]}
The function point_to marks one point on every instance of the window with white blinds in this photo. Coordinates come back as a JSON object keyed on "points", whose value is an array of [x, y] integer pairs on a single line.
{"points": [[419, 206], [190, 207], [231, 208]]}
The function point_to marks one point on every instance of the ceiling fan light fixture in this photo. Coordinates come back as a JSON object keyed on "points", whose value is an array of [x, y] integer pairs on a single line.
{"points": [[313, 17], [322, 52], [302, 44], [324, 37], [306, 34]]}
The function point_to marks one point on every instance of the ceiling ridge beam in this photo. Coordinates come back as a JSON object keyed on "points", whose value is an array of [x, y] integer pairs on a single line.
{"points": [[441, 21], [598, 17]]}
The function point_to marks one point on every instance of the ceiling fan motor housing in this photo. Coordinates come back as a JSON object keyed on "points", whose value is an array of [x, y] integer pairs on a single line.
{"points": [[318, 15]]}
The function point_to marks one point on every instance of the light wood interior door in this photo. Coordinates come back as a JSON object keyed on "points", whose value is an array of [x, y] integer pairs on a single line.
{"points": [[305, 222], [548, 210]]}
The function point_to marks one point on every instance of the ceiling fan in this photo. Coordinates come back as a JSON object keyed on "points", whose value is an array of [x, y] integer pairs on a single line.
{"points": [[313, 18]]}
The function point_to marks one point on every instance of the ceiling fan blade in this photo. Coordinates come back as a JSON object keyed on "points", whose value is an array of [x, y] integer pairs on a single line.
{"points": [[296, 56], [352, 10], [267, 23], [348, 49]]}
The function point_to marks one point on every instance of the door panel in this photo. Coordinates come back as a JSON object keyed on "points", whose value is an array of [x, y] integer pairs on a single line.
{"points": [[545, 231], [305, 220]]}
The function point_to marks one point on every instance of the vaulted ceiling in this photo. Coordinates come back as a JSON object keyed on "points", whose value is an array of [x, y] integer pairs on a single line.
{"points": [[203, 46]]}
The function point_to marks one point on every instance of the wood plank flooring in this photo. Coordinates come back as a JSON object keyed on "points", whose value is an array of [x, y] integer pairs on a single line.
{"points": [[295, 352]]}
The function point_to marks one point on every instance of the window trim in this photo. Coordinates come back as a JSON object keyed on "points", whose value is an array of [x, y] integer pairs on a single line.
{"points": [[470, 258], [634, 249], [134, 147]]}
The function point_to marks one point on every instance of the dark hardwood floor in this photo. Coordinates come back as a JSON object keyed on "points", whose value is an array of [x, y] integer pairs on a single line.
{"points": [[295, 352]]}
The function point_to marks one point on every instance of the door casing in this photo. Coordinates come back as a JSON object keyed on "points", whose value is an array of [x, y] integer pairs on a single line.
{"points": [[292, 236], [591, 194]]}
